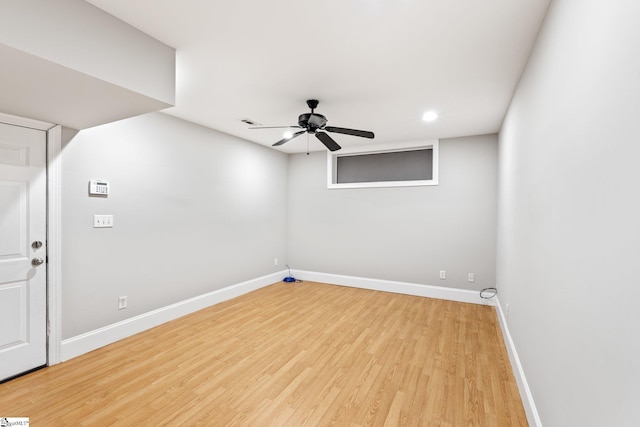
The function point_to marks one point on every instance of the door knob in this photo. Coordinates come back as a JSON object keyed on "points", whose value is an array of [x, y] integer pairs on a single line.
{"points": [[37, 261], [37, 244]]}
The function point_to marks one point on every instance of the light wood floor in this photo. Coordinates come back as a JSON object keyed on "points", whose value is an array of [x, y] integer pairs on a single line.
{"points": [[290, 354]]}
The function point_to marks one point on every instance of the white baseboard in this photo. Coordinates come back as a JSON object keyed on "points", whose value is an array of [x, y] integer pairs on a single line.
{"points": [[430, 291], [92, 340], [523, 386]]}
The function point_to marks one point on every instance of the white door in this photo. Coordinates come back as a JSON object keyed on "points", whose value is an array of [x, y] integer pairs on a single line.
{"points": [[23, 274]]}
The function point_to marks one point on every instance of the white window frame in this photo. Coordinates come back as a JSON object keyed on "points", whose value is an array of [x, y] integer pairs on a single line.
{"points": [[332, 161]]}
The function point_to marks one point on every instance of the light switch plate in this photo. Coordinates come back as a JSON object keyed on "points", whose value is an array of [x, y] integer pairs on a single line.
{"points": [[102, 221]]}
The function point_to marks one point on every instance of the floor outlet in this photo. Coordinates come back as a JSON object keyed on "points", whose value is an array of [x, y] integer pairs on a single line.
{"points": [[122, 303]]}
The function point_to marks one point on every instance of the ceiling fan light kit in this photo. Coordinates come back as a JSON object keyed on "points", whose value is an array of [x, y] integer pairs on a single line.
{"points": [[316, 124]]}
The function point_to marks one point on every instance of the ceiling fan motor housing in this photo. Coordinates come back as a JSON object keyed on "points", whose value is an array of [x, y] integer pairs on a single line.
{"points": [[311, 121]]}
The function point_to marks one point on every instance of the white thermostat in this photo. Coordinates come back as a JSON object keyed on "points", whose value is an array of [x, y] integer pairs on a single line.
{"points": [[98, 187]]}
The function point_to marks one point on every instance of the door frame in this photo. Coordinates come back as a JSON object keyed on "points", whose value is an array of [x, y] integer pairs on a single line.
{"points": [[54, 228]]}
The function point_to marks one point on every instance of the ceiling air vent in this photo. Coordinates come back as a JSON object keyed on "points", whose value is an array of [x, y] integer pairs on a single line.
{"points": [[250, 122]]}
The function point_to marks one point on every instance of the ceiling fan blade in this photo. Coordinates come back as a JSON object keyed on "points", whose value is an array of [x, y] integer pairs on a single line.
{"points": [[276, 127], [282, 141], [327, 141], [354, 132]]}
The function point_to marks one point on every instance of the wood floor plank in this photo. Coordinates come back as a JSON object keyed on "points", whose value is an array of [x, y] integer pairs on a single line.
{"points": [[302, 354]]}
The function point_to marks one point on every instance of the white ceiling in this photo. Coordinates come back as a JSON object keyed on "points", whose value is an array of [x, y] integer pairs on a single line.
{"points": [[374, 65]]}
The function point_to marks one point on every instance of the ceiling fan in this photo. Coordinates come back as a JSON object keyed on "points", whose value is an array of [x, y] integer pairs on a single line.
{"points": [[316, 124]]}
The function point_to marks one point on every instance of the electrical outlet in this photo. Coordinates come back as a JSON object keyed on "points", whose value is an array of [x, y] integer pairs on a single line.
{"points": [[122, 303], [443, 274], [471, 277], [275, 261]]}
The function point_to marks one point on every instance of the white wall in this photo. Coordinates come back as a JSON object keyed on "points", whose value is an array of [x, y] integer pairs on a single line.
{"points": [[78, 35], [400, 234], [70, 63], [195, 210], [569, 215]]}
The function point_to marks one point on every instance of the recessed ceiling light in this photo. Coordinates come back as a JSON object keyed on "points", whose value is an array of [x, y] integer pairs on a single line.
{"points": [[429, 116], [287, 135]]}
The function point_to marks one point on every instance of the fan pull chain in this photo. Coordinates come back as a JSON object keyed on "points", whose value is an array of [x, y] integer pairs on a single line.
{"points": [[307, 143]]}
